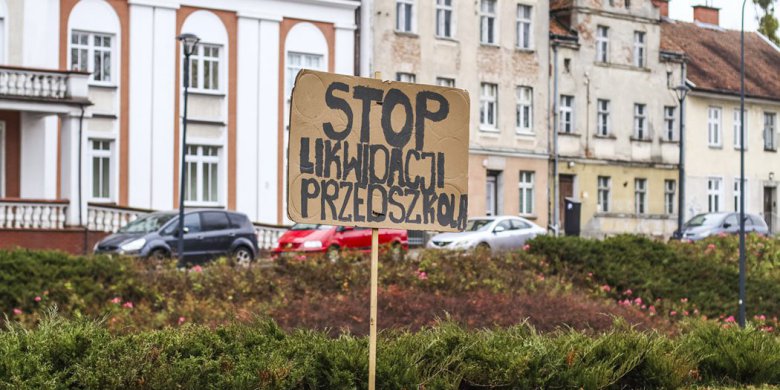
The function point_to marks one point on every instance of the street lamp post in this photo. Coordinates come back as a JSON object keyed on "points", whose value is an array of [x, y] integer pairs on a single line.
{"points": [[189, 43], [742, 267], [681, 91]]}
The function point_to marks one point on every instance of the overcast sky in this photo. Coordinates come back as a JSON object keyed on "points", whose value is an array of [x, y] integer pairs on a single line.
{"points": [[730, 12]]}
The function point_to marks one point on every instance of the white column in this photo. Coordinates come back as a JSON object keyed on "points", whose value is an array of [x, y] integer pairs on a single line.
{"points": [[152, 74], [74, 170], [345, 49], [39, 156], [41, 31], [366, 36], [268, 115], [247, 121]]}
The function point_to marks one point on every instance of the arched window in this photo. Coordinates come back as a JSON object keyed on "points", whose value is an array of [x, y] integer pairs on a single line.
{"points": [[208, 64], [305, 48], [93, 42]]}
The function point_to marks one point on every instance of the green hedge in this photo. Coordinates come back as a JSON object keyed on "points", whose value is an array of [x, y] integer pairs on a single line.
{"points": [[62, 354]]}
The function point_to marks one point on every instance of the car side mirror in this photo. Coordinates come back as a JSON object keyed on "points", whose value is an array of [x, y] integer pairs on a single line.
{"points": [[345, 228], [498, 229], [726, 225], [186, 230]]}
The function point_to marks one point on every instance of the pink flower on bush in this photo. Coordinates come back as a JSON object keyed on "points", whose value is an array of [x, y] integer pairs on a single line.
{"points": [[721, 234], [730, 319], [651, 309], [17, 311], [684, 300], [181, 320], [37, 299], [672, 313], [638, 301], [116, 300], [685, 313], [422, 275], [606, 288], [624, 302], [128, 305], [526, 247], [644, 307], [590, 274], [197, 269], [767, 328], [711, 247], [540, 277], [628, 292]]}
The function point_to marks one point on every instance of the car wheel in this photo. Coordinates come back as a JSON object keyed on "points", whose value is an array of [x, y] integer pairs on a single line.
{"points": [[396, 251], [333, 253], [159, 254], [483, 248], [243, 256]]}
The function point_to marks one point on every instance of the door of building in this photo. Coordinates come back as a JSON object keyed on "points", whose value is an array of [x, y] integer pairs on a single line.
{"points": [[770, 208], [566, 188], [492, 205]]}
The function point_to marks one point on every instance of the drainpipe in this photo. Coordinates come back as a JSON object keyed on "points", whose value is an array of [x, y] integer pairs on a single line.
{"points": [[556, 201], [81, 168]]}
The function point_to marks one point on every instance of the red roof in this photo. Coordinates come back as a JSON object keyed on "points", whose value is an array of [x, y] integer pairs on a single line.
{"points": [[714, 59], [558, 28]]}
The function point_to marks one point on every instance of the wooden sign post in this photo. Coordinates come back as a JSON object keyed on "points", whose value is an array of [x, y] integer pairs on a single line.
{"points": [[377, 154]]}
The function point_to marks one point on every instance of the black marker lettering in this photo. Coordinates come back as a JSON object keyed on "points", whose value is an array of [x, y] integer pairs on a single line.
{"points": [[422, 113], [306, 194], [400, 139], [339, 104], [367, 95]]}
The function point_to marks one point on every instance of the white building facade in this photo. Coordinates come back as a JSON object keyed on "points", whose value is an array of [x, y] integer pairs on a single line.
{"points": [[120, 61]]}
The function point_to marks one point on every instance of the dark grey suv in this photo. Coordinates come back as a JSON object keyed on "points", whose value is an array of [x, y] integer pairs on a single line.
{"points": [[207, 234]]}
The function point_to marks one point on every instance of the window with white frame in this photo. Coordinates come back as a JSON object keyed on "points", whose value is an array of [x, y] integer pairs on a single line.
{"points": [[487, 22], [444, 18], [406, 77], [445, 82], [524, 110], [298, 61], [404, 15], [488, 106], [91, 52], [714, 195], [602, 117], [100, 154], [639, 49], [201, 174], [640, 121], [567, 114], [669, 128], [738, 129], [640, 196], [526, 192], [604, 196], [2, 41], [770, 135], [670, 187], [602, 44], [736, 194], [524, 27], [204, 67], [713, 126]]}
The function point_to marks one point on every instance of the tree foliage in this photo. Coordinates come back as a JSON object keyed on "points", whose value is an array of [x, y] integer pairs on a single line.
{"points": [[768, 23]]}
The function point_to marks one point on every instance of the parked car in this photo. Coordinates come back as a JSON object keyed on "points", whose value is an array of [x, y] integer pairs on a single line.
{"points": [[207, 234], [490, 233], [309, 239], [710, 224]]}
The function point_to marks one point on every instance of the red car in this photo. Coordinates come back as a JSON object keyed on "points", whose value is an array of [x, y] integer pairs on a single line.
{"points": [[307, 239]]}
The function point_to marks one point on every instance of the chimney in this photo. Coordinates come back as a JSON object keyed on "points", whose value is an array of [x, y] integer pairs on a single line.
{"points": [[706, 14], [663, 5]]}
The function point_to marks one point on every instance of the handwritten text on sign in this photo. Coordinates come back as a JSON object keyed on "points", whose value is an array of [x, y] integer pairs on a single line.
{"points": [[370, 153]]}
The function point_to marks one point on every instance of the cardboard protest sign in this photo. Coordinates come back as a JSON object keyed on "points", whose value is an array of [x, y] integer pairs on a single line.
{"points": [[372, 153]]}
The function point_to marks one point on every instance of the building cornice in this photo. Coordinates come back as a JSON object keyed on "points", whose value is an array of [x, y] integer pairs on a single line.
{"points": [[507, 153], [732, 96], [609, 14]]}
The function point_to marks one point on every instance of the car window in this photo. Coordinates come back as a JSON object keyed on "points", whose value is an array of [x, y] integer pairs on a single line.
{"points": [[748, 221], [758, 221], [213, 220], [518, 224], [238, 220], [731, 220], [505, 224], [475, 225], [192, 222]]}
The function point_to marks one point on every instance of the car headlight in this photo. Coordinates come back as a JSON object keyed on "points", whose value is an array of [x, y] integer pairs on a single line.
{"points": [[134, 245], [312, 244]]}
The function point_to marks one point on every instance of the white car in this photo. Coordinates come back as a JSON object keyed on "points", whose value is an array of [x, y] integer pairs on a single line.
{"points": [[498, 233]]}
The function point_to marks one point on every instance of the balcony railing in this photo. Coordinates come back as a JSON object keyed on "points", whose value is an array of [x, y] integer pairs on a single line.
{"points": [[109, 218], [43, 84], [32, 214], [268, 235]]}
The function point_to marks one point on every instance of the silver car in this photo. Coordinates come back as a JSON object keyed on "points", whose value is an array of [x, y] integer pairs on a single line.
{"points": [[712, 224], [491, 233]]}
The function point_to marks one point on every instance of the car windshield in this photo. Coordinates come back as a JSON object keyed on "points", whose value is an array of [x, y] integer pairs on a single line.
{"points": [[475, 225], [310, 226], [704, 220], [147, 224]]}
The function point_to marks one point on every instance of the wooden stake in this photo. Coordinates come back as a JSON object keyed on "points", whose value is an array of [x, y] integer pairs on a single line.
{"points": [[374, 282], [372, 331]]}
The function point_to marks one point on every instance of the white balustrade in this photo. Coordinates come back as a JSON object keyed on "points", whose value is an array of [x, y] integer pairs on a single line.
{"points": [[33, 83], [32, 214], [268, 235], [110, 218]]}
